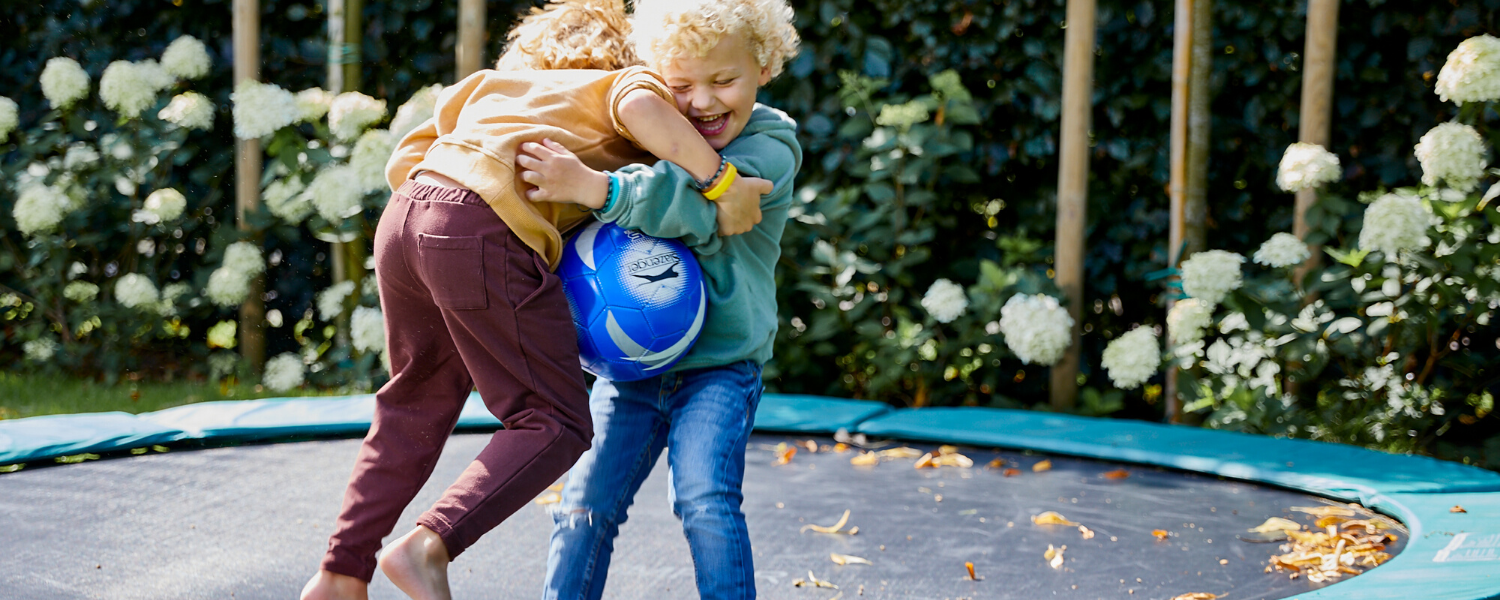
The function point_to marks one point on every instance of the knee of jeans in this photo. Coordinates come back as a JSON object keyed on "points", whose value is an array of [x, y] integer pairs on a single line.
{"points": [[710, 503], [576, 516]]}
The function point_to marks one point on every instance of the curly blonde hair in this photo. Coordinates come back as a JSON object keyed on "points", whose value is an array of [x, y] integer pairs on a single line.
{"points": [[666, 30], [571, 34]]}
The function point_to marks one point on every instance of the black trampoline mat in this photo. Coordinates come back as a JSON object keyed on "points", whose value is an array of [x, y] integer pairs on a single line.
{"points": [[252, 522]]}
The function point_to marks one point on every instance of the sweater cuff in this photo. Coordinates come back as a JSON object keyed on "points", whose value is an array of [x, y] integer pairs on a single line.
{"points": [[614, 192]]}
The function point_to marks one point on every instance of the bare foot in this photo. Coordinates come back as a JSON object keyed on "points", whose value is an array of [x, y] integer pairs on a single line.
{"points": [[418, 565], [327, 585]]}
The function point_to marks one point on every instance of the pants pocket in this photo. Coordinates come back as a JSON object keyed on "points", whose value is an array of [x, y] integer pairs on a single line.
{"points": [[453, 268]]}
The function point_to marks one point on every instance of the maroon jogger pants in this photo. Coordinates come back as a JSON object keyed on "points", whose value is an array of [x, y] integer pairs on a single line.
{"points": [[467, 305]]}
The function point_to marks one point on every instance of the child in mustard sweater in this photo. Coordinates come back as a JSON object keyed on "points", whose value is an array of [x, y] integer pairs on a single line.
{"points": [[464, 265]]}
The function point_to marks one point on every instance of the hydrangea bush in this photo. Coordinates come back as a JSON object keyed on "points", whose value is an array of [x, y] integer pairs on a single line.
{"points": [[1392, 342], [110, 264]]}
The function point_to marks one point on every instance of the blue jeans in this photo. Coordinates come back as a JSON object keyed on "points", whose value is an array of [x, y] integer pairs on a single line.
{"points": [[703, 418]]}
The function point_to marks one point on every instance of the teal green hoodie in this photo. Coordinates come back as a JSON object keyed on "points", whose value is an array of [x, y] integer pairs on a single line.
{"points": [[738, 270]]}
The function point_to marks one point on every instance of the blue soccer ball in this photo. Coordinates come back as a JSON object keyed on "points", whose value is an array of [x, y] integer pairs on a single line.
{"points": [[637, 301]]}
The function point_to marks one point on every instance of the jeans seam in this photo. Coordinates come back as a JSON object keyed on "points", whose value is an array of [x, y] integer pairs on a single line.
{"points": [[593, 562]]}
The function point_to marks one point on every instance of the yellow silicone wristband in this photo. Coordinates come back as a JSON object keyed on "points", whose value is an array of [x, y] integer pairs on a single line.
{"points": [[723, 184]]}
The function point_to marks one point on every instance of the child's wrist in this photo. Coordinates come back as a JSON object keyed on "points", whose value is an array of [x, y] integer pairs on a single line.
{"points": [[607, 183]]}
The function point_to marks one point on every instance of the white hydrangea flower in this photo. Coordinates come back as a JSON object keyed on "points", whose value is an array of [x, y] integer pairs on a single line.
{"points": [[352, 112], [172, 291], [1133, 358], [129, 88], [1282, 250], [222, 334], [368, 160], [261, 108], [1037, 328], [1212, 274], [80, 156], [40, 208], [40, 349], [1452, 153], [284, 372], [312, 104], [227, 287], [190, 110], [283, 198], [367, 329], [186, 58], [64, 82], [246, 258], [1188, 320], [10, 117], [1307, 166], [1394, 222], [945, 301], [331, 301], [81, 291], [1472, 71], [134, 290], [419, 108], [161, 206], [336, 193]]}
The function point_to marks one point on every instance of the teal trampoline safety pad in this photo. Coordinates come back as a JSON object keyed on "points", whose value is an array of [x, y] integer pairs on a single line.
{"points": [[1450, 556], [1336, 470], [269, 418], [62, 435], [793, 413]]}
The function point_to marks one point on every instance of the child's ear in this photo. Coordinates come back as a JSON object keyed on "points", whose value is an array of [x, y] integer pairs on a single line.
{"points": [[765, 76]]}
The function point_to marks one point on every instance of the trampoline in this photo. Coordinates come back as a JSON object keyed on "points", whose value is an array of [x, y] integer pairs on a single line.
{"points": [[238, 517]]}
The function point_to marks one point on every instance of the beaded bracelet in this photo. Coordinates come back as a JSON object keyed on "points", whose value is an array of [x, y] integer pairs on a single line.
{"points": [[707, 183]]}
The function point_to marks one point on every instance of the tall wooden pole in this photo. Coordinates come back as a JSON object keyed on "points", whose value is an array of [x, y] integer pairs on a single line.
{"points": [[1073, 187], [1317, 101], [247, 169], [471, 33], [1177, 173], [345, 39]]}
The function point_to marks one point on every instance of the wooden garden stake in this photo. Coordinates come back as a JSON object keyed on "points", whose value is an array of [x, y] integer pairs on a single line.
{"points": [[1317, 102], [252, 328], [1073, 187], [470, 48], [1192, 64]]}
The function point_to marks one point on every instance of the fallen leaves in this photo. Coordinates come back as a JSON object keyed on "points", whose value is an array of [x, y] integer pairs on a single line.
{"points": [[902, 452], [1276, 524], [1011, 472], [1116, 474], [972, 576], [1161, 534], [549, 498], [784, 453], [1045, 465], [946, 456], [1088, 534], [868, 459], [997, 463], [813, 581], [1343, 547], [1052, 518], [1196, 596], [1054, 556], [845, 559], [1457, 509], [834, 528]]}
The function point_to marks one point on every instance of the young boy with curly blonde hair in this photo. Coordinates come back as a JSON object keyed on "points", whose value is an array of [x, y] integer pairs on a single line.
{"points": [[714, 56], [464, 264]]}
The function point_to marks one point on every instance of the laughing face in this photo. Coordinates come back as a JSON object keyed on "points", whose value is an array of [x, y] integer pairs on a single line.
{"points": [[717, 91]]}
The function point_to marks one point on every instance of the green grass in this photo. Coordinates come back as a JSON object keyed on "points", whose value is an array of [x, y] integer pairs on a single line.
{"points": [[34, 395]]}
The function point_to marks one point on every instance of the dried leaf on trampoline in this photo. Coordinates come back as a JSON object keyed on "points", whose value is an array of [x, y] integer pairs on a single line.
{"points": [[1325, 511], [556, 487], [813, 581], [845, 559], [997, 463], [1011, 472], [1196, 596], [1457, 509], [1161, 534], [1045, 465], [1115, 474], [1330, 555], [868, 459], [844, 520], [784, 453], [1054, 556], [1052, 518], [1088, 534], [972, 576], [1276, 524], [549, 498], [902, 452]]}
